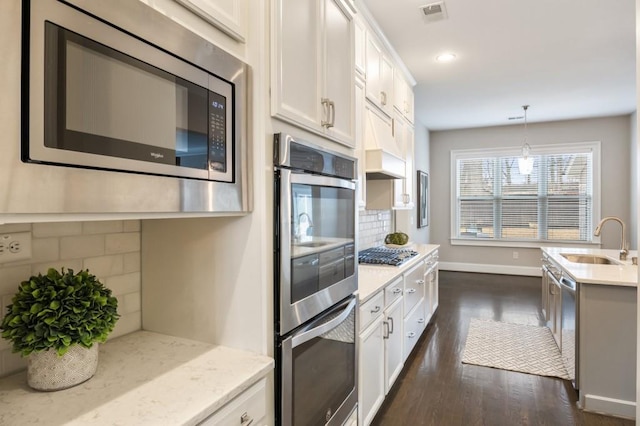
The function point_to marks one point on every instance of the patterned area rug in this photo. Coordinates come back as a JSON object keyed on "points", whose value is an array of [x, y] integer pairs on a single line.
{"points": [[515, 347]]}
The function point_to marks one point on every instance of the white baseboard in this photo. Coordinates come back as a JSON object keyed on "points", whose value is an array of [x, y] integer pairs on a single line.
{"points": [[610, 406], [490, 269]]}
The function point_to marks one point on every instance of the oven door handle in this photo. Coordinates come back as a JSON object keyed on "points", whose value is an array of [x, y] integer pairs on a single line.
{"points": [[317, 331]]}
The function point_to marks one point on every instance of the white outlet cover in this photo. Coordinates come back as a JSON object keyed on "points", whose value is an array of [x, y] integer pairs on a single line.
{"points": [[23, 240]]}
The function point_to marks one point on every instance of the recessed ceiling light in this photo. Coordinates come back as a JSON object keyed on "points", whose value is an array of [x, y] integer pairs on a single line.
{"points": [[445, 57]]}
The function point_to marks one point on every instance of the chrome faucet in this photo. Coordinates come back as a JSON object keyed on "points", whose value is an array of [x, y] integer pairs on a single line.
{"points": [[624, 251], [299, 235]]}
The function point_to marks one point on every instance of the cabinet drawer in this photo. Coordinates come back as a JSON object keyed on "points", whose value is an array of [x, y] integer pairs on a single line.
{"points": [[413, 287], [371, 310], [393, 291], [250, 407], [414, 325]]}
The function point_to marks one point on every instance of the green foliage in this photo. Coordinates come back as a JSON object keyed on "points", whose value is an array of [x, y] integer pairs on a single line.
{"points": [[58, 310], [398, 238]]}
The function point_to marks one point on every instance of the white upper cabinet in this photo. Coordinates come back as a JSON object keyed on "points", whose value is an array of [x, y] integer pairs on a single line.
{"points": [[312, 67], [379, 76], [229, 16], [404, 197], [360, 47], [360, 152], [403, 96]]}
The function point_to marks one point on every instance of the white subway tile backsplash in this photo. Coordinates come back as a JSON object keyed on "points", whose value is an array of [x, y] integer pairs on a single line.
{"points": [[45, 250], [126, 324], [42, 268], [82, 246], [56, 229], [15, 227], [109, 249], [12, 362], [131, 226], [129, 303], [131, 262], [374, 226], [11, 277], [102, 227], [123, 284], [104, 266], [122, 243]]}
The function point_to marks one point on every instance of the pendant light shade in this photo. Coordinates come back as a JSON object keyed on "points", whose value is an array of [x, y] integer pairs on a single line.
{"points": [[525, 163]]}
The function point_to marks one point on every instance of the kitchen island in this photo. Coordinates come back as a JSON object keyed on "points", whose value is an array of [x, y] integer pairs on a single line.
{"points": [[595, 324], [143, 378]]}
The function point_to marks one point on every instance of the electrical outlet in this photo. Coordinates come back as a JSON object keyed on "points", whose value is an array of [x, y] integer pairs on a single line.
{"points": [[14, 247], [515, 254]]}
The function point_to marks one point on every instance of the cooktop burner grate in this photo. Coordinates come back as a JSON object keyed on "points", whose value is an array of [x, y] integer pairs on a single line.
{"points": [[385, 256]]}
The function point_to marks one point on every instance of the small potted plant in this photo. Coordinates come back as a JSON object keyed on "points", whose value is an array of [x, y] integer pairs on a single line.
{"points": [[56, 321]]}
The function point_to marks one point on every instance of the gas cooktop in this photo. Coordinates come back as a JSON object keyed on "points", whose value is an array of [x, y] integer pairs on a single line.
{"points": [[385, 256]]}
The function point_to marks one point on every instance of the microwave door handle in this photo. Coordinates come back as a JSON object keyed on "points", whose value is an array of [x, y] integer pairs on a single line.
{"points": [[315, 332]]}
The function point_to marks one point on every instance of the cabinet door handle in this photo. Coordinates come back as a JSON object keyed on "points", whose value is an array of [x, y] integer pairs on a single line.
{"points": [[332, 110], [325, 109], [383, 97], [245, 419], [411, 290], [375, 310], [391, 323], [411, 335], [396, 290], [386, 333]]}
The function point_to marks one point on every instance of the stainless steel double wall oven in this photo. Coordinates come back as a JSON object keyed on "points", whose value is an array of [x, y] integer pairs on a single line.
{"points": [[315, 280]]}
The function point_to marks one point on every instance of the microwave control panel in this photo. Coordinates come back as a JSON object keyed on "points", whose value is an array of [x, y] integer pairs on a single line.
{"points": [[217, 132]]}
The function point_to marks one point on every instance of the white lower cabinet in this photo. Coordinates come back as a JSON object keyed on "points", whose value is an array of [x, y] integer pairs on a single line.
{"points": [[414, 324], [371, 371], [248, 408], [393, 354], [391, 322]]}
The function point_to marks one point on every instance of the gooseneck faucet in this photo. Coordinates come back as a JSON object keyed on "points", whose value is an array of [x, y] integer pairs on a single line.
{"points": [[624, 251]]}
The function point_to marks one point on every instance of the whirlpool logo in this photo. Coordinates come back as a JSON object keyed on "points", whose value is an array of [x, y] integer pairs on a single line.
{"points": [[157, 155]]}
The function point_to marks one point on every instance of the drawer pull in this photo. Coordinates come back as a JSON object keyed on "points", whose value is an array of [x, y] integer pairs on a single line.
{"points": [[396, 291], [411, 290], [420, 320], [411, 334], [420, 282], [375, 310], [245, 419]]}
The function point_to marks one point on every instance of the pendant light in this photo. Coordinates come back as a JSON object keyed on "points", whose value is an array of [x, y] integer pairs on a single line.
{"points": [[525, 163]]}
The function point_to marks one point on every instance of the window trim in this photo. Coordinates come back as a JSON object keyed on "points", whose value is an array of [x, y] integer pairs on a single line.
{"points": [[561, 148]]}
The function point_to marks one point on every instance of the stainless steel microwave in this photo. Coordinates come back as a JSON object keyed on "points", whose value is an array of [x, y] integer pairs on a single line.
{"points": [[105, 97]]}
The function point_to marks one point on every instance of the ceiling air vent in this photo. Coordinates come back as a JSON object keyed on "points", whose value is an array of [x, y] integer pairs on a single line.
{"points": [[434, 11]]}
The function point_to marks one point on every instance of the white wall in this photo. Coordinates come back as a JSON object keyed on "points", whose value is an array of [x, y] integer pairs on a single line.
{"points": [[614, 134]]}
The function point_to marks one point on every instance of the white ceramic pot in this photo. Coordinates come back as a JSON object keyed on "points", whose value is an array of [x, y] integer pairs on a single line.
{"points": [[47, 371]]}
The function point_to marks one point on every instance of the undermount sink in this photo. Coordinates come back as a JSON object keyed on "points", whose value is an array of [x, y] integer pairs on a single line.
{"points": [[312, 244], [593, 259]]}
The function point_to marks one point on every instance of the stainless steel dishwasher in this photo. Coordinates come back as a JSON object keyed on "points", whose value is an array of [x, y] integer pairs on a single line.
{"points": [[569, 327]]}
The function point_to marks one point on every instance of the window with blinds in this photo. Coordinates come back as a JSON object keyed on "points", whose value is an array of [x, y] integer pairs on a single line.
{"points": [[495, 202]]}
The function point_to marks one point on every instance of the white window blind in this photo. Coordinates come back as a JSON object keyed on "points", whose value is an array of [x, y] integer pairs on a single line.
{"points": [[494, 202]]}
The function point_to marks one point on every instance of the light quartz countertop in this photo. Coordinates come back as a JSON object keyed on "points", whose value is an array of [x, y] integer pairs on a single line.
{"points": [[624, 274], [372, 278], [143, 378]]}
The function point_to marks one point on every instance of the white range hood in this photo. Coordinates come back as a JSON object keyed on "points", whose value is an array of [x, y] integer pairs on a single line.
{"points": [[383, 159]]}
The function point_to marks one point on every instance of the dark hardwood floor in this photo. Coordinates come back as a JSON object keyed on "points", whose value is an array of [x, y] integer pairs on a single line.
{"points": [[435, 388]]}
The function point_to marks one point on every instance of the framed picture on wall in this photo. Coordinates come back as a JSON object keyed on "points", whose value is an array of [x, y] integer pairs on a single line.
{"points": [[423, 199]]}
